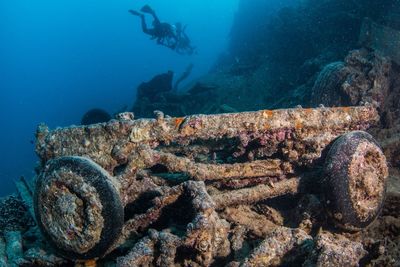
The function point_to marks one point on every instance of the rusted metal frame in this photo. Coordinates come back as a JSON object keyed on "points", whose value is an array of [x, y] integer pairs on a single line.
{"points": [[257, 193], [134, 144], [214, 172], [199, 127]]}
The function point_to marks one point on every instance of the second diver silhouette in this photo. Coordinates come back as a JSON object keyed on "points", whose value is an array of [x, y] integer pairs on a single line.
{"points": [[166, 34]]}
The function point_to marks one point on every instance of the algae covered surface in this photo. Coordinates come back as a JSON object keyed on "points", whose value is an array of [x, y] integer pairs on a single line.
{"points": [[287, 153]]}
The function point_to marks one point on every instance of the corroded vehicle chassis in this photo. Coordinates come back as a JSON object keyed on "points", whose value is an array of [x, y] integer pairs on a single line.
{"points": [[91, 174]]}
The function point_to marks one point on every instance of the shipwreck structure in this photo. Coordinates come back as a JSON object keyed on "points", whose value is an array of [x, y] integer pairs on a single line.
{"points": [[100, 184]]}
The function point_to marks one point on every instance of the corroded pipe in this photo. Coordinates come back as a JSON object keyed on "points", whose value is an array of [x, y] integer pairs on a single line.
{"points": [[122, 147], [109, 144], [256, 193]]}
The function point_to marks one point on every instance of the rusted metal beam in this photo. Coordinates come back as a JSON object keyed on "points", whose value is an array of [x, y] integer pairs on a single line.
{"points": [[111, 143], [257, 193]]}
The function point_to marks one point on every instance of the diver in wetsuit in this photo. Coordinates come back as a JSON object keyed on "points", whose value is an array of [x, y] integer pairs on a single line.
{"points": [[162, 31]]}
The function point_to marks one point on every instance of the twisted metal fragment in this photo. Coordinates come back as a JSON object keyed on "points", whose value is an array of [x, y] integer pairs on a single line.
{"points": [[42, 258], [335, 250], [141, 254], [255, 194], [204, 238], [291, 243]]}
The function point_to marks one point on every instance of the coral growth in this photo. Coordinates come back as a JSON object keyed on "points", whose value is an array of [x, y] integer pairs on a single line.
{"points": [[14, 215]]}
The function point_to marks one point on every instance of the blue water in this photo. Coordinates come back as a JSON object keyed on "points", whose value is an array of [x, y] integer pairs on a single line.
{"points": [[60, 58]]}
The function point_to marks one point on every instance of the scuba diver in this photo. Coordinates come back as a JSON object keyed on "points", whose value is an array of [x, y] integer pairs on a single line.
{"points": [[169, 35], [183, 45], [162, 31]]}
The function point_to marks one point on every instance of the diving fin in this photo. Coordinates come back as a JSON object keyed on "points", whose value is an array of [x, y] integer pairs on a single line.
{"points": [[147, 9], [134, 12]]}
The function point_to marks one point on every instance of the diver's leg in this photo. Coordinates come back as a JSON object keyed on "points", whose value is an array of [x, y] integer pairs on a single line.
{"points": [[145, 29], [134, 12], [149, 10], [142, 19]]}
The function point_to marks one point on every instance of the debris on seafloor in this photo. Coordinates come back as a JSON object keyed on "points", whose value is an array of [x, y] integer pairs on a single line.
{"points": [[328, 84], [204, 237], [240, 189], [283, 244], [363, 77], [335, 250]]}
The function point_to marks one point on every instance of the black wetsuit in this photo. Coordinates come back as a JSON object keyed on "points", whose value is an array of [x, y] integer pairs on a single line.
{"points": [[161, 31]]}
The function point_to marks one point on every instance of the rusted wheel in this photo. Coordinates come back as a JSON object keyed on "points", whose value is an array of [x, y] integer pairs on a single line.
{"points": [[357, 171], [77, 207]]}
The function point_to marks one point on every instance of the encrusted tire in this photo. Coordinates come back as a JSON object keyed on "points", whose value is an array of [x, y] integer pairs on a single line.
{"points": [[78, 208], [356, 171]]}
